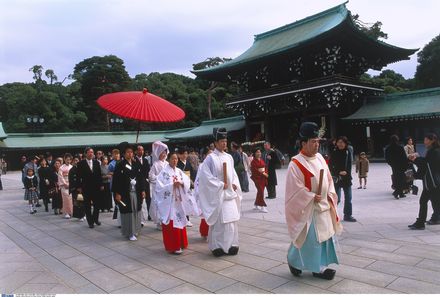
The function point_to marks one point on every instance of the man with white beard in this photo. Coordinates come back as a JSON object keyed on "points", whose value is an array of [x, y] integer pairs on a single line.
{"points": [[220, 197]]}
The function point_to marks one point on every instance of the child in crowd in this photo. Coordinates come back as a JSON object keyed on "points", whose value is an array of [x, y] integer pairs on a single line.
{"points": [[362, 166], [31, 185]]}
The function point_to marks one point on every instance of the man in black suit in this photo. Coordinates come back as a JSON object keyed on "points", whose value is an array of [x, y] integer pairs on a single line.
{"points": [[90, 184], [49, 159], [184, 165], [145, 170], [272, 161]]}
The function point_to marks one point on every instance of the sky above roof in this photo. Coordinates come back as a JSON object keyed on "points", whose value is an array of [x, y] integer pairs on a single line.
{"points": [[170, 36]]}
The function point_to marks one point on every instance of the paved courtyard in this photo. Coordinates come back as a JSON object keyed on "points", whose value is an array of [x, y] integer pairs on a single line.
{"points": [[44, 253]]}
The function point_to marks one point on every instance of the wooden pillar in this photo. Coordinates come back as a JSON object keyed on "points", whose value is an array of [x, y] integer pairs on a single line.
{"points": [[267, 129], [333, 132], [248, 130], [370, 142]]}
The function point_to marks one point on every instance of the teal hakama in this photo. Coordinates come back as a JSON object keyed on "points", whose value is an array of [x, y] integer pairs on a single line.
{"points": [[312, 256]]}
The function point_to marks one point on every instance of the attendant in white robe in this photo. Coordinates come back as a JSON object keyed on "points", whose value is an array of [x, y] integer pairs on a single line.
{"points": [[220, 198], [160, 152], [203, 228], [311, 215], [174, 203]]}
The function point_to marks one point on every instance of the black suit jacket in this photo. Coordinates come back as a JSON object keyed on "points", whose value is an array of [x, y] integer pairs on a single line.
{"points": [[396, 157], [145, 166], [187, 167], [271, 165], [89, 182], [123, 174], [145, 170]]}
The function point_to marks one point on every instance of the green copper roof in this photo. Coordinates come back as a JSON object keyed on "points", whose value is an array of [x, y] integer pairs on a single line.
{"points": [[2, 132], [205, 129], [293, 35], [83, 139], [80, 139], [421, 104]]}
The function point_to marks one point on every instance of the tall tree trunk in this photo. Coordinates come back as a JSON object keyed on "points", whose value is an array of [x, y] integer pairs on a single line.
{"points": [[107, 121], [209, 103], [211, 88]]}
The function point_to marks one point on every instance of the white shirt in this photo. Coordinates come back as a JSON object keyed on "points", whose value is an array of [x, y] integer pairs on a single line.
{"points": [[90, 162]]}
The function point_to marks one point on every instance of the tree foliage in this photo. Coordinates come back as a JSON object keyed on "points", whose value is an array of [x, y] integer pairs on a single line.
{"points": [[73, 107], [57, 107], [50, 74], [187, 93], [208, 63], [98, 76], [373, 30], [37, 70], [428, 71], [390, 81]]}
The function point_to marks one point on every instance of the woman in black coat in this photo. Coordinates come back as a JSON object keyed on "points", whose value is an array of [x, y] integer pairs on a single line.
{"points": [[128, 186], [78, 204], [396, 157], [429, 172], [44, 172], [272, 161], [340, 167]]}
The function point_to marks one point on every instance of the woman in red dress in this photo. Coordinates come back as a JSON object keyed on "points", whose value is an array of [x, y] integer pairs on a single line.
{"points": [[259, 176]]}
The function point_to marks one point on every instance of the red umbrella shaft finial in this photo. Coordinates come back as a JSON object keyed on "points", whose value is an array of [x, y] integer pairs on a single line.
{"points": [[145, 91]]}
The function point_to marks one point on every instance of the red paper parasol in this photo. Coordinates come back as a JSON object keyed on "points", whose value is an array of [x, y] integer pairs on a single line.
{"points": [[141, 106]]}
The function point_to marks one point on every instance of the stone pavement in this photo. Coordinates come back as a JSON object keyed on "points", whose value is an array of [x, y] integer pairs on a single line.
{"points": [[44, 253]]}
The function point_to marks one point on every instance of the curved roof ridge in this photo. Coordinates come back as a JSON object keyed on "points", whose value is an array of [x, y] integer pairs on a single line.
{"points": [[420, 92], [299, 33], [341, 8], [222, 120]]}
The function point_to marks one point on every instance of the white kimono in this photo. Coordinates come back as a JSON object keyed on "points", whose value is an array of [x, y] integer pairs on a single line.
{"points": [[220, 207], [155, 170], [158, 148], [174, 203], [196, 188]]}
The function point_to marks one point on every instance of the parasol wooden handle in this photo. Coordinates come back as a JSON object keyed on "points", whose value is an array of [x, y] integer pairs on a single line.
{"points": [[321, 177], [225, 176]]}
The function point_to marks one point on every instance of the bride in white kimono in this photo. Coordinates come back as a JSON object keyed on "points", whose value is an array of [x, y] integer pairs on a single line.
{"points": [[220, 199], [174, 203], [160, 152]]}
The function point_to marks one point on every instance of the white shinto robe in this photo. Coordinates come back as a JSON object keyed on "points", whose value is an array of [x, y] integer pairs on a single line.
{"points": [[220, 207], [156, 168], [300, 205], [174, 203]]}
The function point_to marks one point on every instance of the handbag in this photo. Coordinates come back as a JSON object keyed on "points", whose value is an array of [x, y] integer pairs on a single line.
{"points": [[239, 168], [336, 179], [51, 192], [80, 197], [409, 175]]}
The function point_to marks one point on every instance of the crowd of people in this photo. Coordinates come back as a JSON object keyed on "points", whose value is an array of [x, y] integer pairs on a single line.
{"points": [[407, 165], [164, 187], [168, 187]]}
